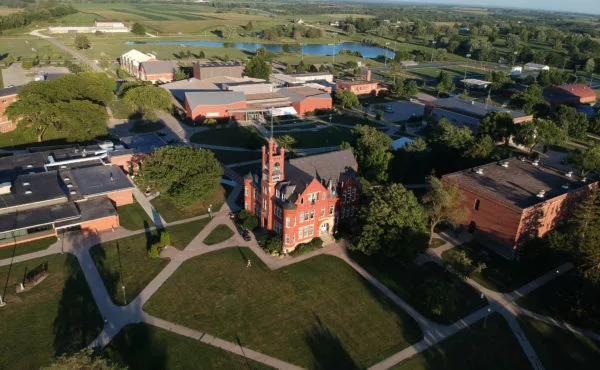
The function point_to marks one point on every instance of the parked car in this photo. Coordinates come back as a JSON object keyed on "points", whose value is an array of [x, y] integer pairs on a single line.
{"points": [[389, 109]]}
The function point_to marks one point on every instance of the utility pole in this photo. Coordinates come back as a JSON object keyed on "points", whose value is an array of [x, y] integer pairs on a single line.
{"points": [[433, 42], [333, 53]]}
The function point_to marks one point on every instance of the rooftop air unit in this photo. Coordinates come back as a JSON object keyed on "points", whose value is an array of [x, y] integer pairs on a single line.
{"points": [[5, 188], [565, 186], [536, 162], [541, 194], [504, 164], [28, 192], [569, 174], [479, 171]]}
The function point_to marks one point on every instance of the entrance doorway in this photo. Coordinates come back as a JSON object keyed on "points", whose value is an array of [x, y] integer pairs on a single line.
{"points": [[324, 228]]}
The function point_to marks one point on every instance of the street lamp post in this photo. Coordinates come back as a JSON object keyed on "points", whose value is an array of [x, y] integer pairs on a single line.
{"points": [[386, 53], [2, 303], [333, 53], [124, 297], [466, 65], [433, 42], [489, 310]]}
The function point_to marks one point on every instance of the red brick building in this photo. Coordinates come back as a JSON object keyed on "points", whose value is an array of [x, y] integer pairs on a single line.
{"points": [[213, 104], [7, 97], [158, 70], [302, 198], [570, 94], [511, 202], [361, 87], [307, 99], [203, 71]]}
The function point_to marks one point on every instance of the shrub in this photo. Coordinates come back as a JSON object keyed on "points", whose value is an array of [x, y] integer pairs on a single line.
{"points": [[461, 264], [379, 115], [270, 242], [247, 220], [316, 243], [165, 239], [153, 251], [210, 122]]}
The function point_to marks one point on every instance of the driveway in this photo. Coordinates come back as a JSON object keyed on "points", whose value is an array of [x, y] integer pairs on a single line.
{"points": [[14, 75]]}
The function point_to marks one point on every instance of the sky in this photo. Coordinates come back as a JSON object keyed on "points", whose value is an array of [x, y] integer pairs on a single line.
{"points": [[579, 6]]}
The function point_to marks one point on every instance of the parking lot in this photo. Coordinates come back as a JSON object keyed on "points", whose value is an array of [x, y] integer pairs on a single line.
{"points": [[403, 110]]}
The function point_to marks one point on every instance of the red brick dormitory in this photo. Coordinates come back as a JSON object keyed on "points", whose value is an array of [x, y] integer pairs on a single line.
{"points": [[513, 201]]}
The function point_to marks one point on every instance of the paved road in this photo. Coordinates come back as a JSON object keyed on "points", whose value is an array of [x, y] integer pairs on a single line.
{"points": [[74, 53]]}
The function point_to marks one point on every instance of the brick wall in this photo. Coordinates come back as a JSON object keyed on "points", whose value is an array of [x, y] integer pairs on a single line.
{"points": [[5, 102], [212, 111], [311, 104], [100, 225], [158, 77], [121, 198]]}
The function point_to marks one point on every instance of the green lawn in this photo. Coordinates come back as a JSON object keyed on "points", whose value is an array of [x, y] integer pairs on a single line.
{"points": [[318, 313], [24, 46], [228, 156], [406, 281], [182, 234], [141, 346], [569, 298], [218, 234], [133, 217], [503, 275], [330, 136], [58, 314], [172, 212], [129, 255], [24, 248], [243, 137], [23, 137], [559, 348], [476, 347]]}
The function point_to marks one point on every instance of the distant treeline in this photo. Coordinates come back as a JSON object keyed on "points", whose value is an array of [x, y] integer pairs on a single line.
{"points": [[33, 14]]}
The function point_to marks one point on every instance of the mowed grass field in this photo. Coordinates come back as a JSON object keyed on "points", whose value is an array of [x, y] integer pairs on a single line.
{"points": [[318, 313]]}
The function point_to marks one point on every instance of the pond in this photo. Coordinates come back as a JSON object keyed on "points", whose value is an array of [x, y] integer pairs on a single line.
{"points": [[367, 51]]}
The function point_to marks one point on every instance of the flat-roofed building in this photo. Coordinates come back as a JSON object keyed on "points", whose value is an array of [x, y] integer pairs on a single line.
{"points": [[7, 97], [570, 94], [158, 70], [213, 104], [206, 70], [510, 202], [48, 192], [298, 79], [131, 60], [307, 99]]}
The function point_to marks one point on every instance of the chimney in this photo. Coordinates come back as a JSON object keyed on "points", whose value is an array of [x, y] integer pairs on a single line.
{"points": [[369, 75]]}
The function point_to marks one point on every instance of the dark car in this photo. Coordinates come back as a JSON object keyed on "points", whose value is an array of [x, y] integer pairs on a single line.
{"points": [[246, 235]]}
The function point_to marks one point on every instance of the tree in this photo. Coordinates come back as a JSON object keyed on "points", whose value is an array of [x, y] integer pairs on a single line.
{"points": [[257, 67], [442, 204], [286, 141], [138, 29], [481, 148], [301, 67], [411, 88], [542, 132], [418, 145], [297, 35], [82, 42], [590, 65], [182, 173], [393, 224], [586, 161], [500, 126], [574, 123], [439, 296], [84, 359], [373, 152], [346, 98], [148, 99], [249, 26], [71, 104], [449, 136], [286, 49], [530, 101], [461, 264], [248, 220], [444, 82], [180, 74]]}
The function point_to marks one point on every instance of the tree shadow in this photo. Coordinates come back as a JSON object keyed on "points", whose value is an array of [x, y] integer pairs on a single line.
{"points": [[78, 320], [110, 277], [328, 351], [137, 347]]}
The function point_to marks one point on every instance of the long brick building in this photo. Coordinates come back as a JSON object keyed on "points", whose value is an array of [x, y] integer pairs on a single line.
{"points": [[513, 201], [7, 97], [302, 198]]}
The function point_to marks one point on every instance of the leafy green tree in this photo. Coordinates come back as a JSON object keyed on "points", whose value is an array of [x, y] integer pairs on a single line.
{"points": [[165, 239], [444, 82], [393, 224], [461, 264], [595, 124], [130, 85], [447, 135], [138, 29], [84, 359], [542, 132], [182, 173], [531, 101], [180, 74], [301, 67], [82, 42], [411, 88], [499, 126], [258, 67], [586, 161], [442, 204], [417, 145], [286, 49], [438, 296], [286, 141], [70, 104], [481, 148], [248, 220], [346, 99], [590, 65], [249, 26], [373, 152], [574, 123], [148, 99]]}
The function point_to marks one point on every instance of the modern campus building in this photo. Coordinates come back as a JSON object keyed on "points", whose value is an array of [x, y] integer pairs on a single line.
{"points": [[510, 202], [299, 79], [7, 97], [106, 26], [463, 112], [158, 70], [302, 198], [45, 193], [203, 71], [131, 61]]}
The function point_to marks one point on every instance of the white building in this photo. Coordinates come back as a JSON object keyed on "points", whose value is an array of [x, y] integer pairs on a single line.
{"points": [[536, 67], [99, 26], [281, 79], [131, 60]]}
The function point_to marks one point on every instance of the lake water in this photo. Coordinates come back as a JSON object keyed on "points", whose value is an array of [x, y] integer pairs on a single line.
{"points": [[315, 49]]}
